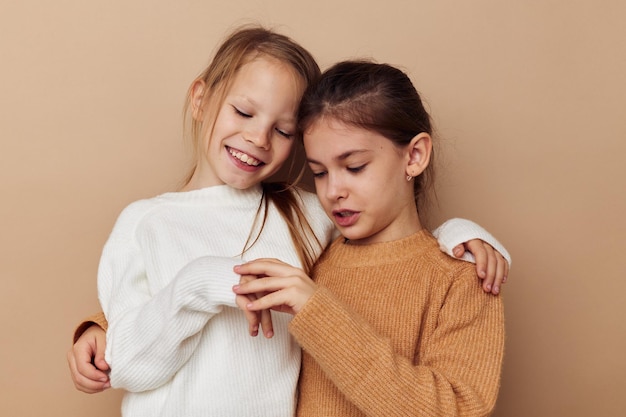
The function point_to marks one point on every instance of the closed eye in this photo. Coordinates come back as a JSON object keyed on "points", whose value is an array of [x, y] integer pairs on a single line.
{"points": [[285, 134], [358, 169], [241, 113], [318, 175]]}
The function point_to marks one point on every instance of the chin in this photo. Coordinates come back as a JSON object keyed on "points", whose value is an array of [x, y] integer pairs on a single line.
{"points": [[239, 184], [352, 236]]}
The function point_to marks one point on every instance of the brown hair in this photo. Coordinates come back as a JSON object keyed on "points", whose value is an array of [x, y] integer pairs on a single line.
{"points": [[376, 97], [240, 47]]}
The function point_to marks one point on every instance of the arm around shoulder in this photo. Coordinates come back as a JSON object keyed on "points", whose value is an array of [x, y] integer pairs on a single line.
{"points": [[457, 231]]}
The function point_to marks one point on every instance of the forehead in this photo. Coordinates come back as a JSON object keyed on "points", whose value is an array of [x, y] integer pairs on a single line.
{"points": [[330, 139], [267, 71]]}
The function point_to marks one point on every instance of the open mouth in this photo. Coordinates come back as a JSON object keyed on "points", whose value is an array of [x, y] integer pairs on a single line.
{"points": [[344, 213], [345, 218], [244, 158]]}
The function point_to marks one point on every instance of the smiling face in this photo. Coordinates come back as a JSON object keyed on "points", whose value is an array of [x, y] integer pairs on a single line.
{"points": [[360, 179], [255, 125]]}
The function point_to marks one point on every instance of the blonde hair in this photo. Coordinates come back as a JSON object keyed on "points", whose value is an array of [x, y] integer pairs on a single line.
{"points": [[240, 47]]}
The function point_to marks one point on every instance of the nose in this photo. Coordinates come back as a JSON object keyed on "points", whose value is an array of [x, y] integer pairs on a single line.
{"points": [[259, 136], [335, 187]]}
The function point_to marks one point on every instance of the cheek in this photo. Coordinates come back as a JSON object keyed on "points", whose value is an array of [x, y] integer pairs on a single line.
{"points": [[205, 141], [382, 183], [211, 145], [327, 204], [282, 150]]}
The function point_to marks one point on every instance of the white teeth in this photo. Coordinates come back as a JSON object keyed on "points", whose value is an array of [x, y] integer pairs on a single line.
{"points": [[246, 159]]}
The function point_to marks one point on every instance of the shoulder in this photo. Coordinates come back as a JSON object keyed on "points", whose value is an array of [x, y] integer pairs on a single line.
{"points": [[444, 265], [458, 285], [310, 203], [135, 211], [306, 198], [132, 216], [315, 213]]}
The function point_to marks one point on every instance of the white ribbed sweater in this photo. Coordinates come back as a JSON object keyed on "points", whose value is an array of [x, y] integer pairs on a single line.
{"points": [[176, 340]]}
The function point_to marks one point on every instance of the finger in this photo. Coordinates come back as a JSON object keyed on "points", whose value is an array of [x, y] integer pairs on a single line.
{"points": [[100, 363], [266, 323], [500, 274], [83, 383], [491, 268], [477, 248], [263, 285], [275, 300], [490, 273], [253, 322], [85, 367], [458, 250], [98, 359], [266, 267], [247, 278], [252, 317], [506, 271]]}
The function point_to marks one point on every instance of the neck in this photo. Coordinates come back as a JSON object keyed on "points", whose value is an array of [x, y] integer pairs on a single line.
{"points": [[406, 224]]}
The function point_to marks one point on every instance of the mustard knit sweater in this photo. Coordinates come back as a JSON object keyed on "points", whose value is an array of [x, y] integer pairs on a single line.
{"points": [[398, 329]]}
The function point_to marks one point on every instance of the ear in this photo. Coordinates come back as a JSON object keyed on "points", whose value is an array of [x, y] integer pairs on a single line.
{"points": [[420, 150], [196, 99]]}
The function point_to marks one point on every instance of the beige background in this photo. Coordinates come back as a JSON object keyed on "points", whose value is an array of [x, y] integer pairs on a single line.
{"points": [[529, 98]]}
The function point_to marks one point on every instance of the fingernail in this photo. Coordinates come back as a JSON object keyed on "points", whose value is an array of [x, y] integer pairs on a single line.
{"points": [[269, 334], [235, 287], [488, 287], [496, 290], [482, 274], [457, 252]]}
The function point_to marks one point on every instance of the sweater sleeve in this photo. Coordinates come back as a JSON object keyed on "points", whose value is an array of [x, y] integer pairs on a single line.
{"points": [[456, 231], [152, 334], [455, 374], [97, 320]]}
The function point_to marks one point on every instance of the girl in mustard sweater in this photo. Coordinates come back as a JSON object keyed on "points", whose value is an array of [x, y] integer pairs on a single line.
{"points": [[389, 325]]}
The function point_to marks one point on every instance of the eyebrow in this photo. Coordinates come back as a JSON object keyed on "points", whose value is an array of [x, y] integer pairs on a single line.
{"points": [[341, 157]]}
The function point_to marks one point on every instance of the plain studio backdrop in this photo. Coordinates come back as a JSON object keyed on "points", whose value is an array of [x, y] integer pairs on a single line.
{"points": [[529, 100]]}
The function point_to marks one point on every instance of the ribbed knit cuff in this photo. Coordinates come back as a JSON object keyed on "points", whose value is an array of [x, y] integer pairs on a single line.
{"points": [[96, 319]]}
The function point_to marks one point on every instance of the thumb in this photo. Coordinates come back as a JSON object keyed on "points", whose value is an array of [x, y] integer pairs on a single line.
{"points": [[99, 361], [458, 250]]}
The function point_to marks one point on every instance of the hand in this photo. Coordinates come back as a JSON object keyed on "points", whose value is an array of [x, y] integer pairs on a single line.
{"points": [[264, 317], [491, 266], [86, 361], [288, 288]]}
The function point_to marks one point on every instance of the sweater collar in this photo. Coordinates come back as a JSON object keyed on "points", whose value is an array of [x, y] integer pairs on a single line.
{"points": [[220, 195], [344, 254]]}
